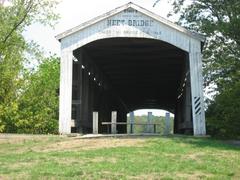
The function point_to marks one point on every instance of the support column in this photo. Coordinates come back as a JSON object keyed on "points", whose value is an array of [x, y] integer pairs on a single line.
{"points": [[65, 105], [167, 124], [114, 121], [80, 81], [198, 113], [177, 117], [150, 127], [131, 122], [90, 102], [85, 100], [187, 109], [95, 122]]}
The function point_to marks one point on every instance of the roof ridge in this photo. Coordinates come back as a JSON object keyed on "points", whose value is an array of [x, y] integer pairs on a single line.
{"points": [[126, 6]]}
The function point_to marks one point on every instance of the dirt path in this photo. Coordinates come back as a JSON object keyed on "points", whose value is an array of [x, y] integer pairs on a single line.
{"points": [[46, 143]]}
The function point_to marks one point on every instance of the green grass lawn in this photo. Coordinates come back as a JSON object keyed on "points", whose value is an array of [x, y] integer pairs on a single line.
{"points": [[53, 157]]}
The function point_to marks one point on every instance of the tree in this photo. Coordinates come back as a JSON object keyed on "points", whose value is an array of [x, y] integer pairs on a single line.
{"points": [[224, 115], [38, 104], [15, 16], [219, 20], [19, 14]]}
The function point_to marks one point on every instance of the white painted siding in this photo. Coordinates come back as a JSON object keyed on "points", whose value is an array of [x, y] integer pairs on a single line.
{"points": [[101, 30], [157, 30]]}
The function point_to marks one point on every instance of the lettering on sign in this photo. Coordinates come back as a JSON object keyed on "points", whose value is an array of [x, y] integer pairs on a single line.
{"points": [[130, 10], [129, 22], [132, 18]]}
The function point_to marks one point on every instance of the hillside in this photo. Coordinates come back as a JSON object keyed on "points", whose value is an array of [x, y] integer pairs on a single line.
{"points": [[173, 157]]}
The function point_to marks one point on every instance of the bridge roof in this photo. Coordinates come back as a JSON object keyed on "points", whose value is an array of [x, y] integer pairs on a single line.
{"points": [[158, 18]]}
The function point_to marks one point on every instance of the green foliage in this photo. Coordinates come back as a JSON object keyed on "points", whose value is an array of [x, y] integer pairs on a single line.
{"points": [[16, 15], [219, 20], [15, 53], [38, 104], [159, 120], [223, 116], [36, 109]]}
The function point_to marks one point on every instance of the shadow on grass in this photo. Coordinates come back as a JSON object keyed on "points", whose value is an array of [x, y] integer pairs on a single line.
{"points": [[200, 142], [205, 142]]}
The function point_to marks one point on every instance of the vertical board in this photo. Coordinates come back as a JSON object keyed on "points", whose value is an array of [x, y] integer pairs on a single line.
{"points": [[80, 81], [65, 106], [114, 121], [167, 124], [198, 112], [150, 121], [131, 122], [95, 122]]}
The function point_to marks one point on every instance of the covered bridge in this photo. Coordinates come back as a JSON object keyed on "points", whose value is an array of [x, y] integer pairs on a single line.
{"points": [[128, 59]]}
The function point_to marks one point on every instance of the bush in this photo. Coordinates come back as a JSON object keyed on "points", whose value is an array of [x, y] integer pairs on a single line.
{"points": [[35, 110], [223, 115]]}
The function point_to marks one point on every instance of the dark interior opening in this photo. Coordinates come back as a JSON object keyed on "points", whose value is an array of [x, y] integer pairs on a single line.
{"points": [[127, 74]]}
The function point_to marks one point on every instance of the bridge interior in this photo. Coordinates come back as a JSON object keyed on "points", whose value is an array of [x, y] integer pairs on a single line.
{"points": [[125, 74]]}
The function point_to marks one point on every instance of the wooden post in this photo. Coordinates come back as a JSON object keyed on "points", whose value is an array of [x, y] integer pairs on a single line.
{"points": [[95, 122], [114, 121], [167, 123], [131, 122], [80, 81], [85, 99], [149, 126]]}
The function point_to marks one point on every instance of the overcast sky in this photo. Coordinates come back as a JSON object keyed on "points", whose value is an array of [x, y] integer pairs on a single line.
{"points": [[75, 12]]}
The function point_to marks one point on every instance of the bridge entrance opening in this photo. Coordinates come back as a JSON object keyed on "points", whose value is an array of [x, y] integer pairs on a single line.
{"points": [[124, 74], [145, 121], [127, 59]]}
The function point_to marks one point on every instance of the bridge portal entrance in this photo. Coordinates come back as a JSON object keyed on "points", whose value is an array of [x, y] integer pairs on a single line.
{"points": [[125, 60]]}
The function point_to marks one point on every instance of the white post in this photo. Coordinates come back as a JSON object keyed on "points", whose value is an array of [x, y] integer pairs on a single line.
{"points": [[131, 122], [95, 122], [167, 123], [149, 127], [65, 104], [114, 121], [198, 113]]}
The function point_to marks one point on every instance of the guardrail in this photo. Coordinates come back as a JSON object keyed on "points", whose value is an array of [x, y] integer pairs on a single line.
{"points": [[113, 123], [109, 125]]}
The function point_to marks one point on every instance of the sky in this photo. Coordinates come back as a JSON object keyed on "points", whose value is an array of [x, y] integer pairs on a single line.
{"points": [[75, 12]]}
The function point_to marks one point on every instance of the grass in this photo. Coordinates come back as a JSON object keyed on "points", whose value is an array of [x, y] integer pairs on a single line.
{"points": [[53, 157]]}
